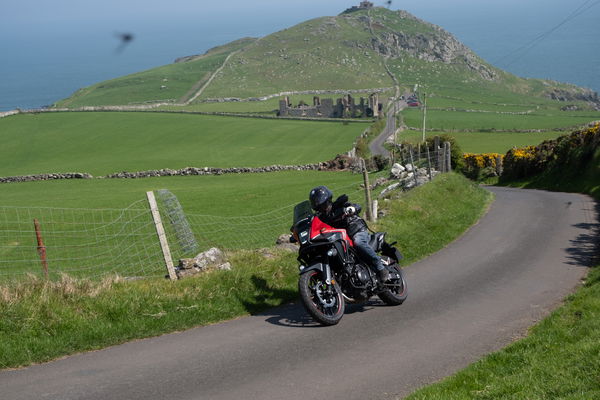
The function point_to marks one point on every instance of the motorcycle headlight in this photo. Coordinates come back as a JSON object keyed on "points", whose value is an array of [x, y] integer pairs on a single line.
{"points": [[332, 252]]}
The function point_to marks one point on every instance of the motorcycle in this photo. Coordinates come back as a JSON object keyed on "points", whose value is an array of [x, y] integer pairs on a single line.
{"points": [[332, 273]]}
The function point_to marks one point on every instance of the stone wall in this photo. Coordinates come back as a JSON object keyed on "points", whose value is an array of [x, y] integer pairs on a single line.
{"points": [[298, 92], [341, 162], [45, 177]]}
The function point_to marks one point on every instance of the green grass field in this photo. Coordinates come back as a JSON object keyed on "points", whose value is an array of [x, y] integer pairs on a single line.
{"points": [[485, 142], [88, 234], [492, 124], [107, 142], [481, 121]]}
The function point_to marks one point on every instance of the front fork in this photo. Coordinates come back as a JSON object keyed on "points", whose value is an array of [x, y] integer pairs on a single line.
{"points": [[324, 268]]}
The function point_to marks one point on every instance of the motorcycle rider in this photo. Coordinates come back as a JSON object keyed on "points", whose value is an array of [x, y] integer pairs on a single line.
{"points": [[342, 214]]}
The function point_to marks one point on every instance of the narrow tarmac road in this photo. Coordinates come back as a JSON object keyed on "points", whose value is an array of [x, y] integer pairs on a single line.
{"points": [[376, 146], [473, 297]]}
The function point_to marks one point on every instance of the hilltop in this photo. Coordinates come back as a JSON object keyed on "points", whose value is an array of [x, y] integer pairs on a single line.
{"points": [[364, 49]]}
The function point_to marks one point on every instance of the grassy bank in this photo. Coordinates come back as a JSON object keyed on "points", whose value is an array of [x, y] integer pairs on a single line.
{"points": [[40, 321]]}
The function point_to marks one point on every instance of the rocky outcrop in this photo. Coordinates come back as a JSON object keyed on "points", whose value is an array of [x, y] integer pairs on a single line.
{"points": [[575, 94], [432, 47]]}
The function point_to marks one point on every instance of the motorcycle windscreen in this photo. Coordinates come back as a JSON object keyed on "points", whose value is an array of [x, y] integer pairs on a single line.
{"points": [[302, 211]]}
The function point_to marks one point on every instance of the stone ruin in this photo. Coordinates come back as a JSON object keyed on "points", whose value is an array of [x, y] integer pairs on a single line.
{"points": [[344, 107], [364, 5]]}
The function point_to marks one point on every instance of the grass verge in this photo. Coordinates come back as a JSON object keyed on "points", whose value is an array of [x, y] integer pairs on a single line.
{"points": [[40, 321]]}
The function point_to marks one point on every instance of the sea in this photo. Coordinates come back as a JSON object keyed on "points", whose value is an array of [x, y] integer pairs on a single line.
{"points": [[45, 62]]}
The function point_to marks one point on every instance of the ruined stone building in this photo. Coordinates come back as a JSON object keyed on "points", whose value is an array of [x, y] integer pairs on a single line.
{"points": [[344, 107], [362, 6]]}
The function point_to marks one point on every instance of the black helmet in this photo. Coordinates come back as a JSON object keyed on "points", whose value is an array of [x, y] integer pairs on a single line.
{"points": [[320, 198]]}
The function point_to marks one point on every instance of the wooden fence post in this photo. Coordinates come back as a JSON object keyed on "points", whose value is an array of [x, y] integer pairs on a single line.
{"points": [[448, 157], [162, 237], [375, 209], [40, 247], [428, 164], [369, 206], [414, 170]]}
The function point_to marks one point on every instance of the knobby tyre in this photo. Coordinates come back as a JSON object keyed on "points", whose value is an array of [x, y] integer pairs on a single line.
{"points": [[396, 294], [323, 302]]}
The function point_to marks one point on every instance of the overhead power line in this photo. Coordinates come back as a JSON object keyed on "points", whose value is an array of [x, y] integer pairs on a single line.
{"points": [[521, 51]]}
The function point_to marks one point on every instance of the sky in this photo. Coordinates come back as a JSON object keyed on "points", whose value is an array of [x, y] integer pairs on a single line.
{"points": [[33, 14]]}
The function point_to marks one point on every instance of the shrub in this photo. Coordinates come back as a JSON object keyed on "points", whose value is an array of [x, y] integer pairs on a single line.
{"points": [[481, 166], [567, 151]]}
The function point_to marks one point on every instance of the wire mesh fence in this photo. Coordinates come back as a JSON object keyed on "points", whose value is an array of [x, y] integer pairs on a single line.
{"points": [[92, 243], [435, 155], [80, 242], [254, 231]]}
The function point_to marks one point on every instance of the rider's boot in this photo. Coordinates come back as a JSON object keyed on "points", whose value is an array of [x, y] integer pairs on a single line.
{"points": [[383, 275]]}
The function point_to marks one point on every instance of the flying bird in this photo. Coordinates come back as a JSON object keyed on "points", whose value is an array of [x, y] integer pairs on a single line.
{"points": [[125, 38], [389, 3]]}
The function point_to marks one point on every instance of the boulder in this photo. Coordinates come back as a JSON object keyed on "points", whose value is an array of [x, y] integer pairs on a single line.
{"points": [[186, 263], [209, 258], [397, 170], [283, 238], [390, 188], [225, 267]]}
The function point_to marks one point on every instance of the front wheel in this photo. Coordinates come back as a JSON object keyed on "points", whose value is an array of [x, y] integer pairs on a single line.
{"points": [[395, 292], [322, 301]]}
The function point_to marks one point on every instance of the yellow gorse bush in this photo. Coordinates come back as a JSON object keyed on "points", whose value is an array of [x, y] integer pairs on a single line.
{"points": [[475, 163], [482, 160], [527, 153], [565, 150]]}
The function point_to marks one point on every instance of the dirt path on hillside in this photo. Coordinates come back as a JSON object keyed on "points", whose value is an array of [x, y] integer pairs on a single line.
{"points": [[205, 85]]}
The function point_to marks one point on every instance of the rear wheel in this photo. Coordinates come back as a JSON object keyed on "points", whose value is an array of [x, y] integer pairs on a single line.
{"points": [[395, 292], [322, 301]]}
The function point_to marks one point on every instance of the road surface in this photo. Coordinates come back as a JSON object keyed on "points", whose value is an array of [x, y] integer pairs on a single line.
{"points": [[475, 296], [376, 146]]}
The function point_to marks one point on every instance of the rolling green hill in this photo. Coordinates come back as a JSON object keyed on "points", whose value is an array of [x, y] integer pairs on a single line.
{"points": [[366, 49]]}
